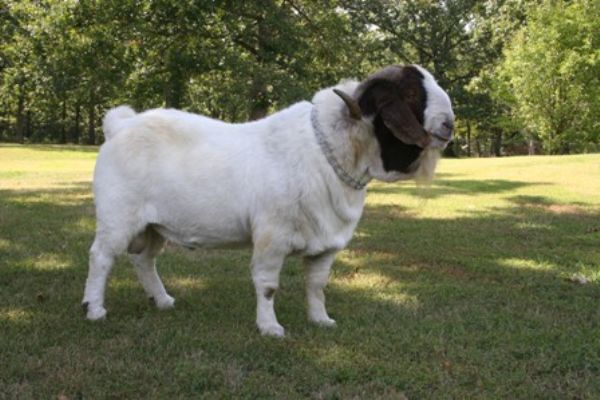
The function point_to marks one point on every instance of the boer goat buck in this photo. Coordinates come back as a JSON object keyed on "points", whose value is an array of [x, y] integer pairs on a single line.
{"points": [[291, 183]]}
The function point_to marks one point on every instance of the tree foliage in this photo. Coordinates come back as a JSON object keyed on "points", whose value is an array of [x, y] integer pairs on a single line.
{"points": [[64, 62], [551, 74]]}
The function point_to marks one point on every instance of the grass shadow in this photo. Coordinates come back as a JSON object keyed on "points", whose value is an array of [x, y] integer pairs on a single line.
{"points": [[444, 187]]}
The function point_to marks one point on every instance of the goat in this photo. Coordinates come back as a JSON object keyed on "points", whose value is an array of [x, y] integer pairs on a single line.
{"points": [[291, 183]]}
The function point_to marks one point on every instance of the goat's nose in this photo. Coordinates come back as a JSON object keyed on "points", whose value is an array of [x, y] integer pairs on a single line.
{"points": [[447, 129]]}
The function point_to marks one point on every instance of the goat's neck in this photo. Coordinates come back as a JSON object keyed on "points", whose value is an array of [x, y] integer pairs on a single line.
{"points": [[350, 142]]}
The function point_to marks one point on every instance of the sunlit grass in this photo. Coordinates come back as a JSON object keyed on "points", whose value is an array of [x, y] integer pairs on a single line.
{"points": [[15, 315], [463, 289], [50, 261], [528, 264], [38, 167], [186, 283]]}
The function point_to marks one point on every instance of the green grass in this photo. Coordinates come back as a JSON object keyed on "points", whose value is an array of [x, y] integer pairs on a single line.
{"points": [[458, 290]]}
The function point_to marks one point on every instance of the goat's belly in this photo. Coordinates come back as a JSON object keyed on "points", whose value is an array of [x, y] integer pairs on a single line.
{"points": [[203, 238], [205, 219]]}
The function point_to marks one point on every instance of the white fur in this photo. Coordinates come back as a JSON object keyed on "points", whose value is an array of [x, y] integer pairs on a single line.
{"points": [[114, 120], [439, 107], [200, 182]]}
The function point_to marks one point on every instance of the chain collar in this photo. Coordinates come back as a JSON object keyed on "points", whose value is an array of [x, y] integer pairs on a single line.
{"points": [[358, 184]]}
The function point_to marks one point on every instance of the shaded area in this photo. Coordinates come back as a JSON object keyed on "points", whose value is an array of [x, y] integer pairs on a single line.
{"points": [[53, 147], [427, 308], [444, 187]]}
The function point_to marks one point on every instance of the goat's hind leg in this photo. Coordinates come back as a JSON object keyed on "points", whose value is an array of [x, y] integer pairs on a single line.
{"points": [[143, 251], [102, 257]]}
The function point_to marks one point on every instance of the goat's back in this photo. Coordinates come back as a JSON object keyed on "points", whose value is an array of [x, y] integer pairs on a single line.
{"points": [[175, 168]]}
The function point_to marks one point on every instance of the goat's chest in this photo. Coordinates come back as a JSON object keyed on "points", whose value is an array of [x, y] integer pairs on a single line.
{"points": [[323, 226]]}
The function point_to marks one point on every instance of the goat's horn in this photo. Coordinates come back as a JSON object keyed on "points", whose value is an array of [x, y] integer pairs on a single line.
{"points": [[351, 103]]}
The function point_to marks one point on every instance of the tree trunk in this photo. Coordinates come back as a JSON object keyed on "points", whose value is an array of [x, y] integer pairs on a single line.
{"points": [[99, 138], [77, 132], [258, 96], [3, 127], [28, 125], [20, 119], [565, 147], [91, 138], [496, 145], [258, 92], [468, 138], [174, 90], [531, 147], [175, 86], [63, 122]]}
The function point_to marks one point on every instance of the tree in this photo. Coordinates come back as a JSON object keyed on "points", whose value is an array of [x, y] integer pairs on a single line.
{"points": [[284, 49], [488, 122], [64, 62], [551, 75]]}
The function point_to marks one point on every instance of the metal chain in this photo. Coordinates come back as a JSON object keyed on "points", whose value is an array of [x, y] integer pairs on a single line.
{"points": [[358, 184]]}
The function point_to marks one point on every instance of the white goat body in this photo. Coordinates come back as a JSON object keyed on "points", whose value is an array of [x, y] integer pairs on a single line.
{"points": [[203, 182], [171, 175]]}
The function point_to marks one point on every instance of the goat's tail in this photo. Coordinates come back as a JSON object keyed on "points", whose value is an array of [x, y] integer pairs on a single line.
{"points": [[114, 119]]}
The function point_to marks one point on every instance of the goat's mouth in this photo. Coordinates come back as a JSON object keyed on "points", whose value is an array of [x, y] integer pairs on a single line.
{"points": [[440, 138], [438, 141]]}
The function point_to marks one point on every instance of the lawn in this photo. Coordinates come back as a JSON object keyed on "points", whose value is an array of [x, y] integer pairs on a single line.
{"points": [[463, 289]]}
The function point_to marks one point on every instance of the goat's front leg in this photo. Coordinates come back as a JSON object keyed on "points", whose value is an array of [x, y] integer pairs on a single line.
{"points": [[266, 265], [316, 275]]}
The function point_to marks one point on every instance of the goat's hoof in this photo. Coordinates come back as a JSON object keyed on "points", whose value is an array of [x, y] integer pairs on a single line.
{"points": [[324, 322], [95, 313], [272, 330], [165, 303]]}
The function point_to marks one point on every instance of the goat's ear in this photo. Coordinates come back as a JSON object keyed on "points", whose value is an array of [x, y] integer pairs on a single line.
{"points": [[401, 121], [351, 103]]}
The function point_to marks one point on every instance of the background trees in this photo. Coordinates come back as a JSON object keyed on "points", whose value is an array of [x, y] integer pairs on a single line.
{"points": [[522, 75], [551, 74]]}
